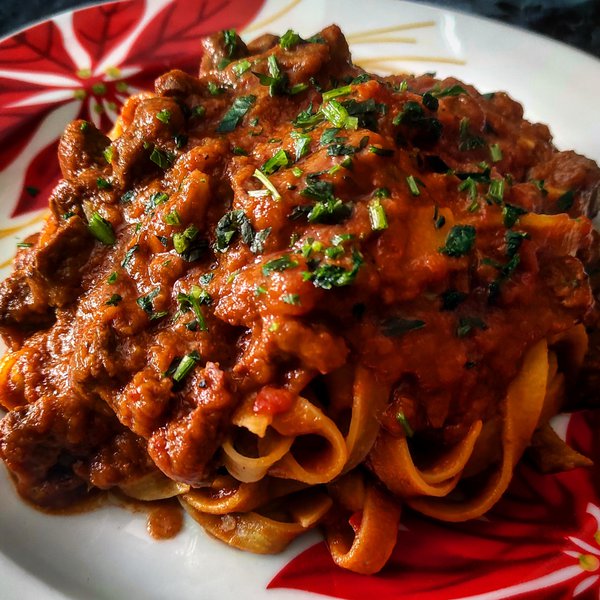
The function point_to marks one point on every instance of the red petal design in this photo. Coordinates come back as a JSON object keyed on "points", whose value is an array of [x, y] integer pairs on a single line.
{"points": [[522, 539], [100, 29], [40, 49], [171, 38]]}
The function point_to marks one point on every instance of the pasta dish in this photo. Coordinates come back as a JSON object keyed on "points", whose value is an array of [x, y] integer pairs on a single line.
{"points": [[289, 293]]}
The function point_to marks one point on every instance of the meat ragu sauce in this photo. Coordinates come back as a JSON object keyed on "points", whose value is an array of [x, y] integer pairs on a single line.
{"points": [[263, 230]]}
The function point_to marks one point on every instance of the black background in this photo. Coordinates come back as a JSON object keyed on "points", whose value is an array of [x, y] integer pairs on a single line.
{"points": [[576, 22]]}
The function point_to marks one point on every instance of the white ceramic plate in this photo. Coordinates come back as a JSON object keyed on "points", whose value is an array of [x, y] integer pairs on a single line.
{"points": [[107, 554]]}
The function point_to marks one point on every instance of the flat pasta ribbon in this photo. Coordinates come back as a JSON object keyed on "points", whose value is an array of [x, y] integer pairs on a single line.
{"points": [[523, 405]]}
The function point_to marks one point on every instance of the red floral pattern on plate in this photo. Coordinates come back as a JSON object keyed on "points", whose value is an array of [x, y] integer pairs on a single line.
{"points": [[542, 540], [83, 65]]}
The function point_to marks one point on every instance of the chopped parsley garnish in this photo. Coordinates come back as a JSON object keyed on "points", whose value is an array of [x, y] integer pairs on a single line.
{"points": [[198, 111], [338, 116], [381, 151], [377, 215], [186, 364], [193, 301], [271, 189], [241, 105], [452, 298], [511, 214], [514, 239], [397, 326], [230, 40], [297, 171], [293, 299], [306, 119], [468, 141], [332, 210], [114, 300], [381, 193], [413, 185], [467, 325], [108, 154], [495, 153], [402, 420], [565, 202], [289, 39], [172, 218], [188, 244], [24, 244], [259, 290], [301, 143], [278, 160], [214, 89], [335, 93], [275, 80], [163, 159], [236, 221], [129, 255], [164, 115], [327, 276], [453, 90], [102, 229], [317, 189], [103, 184], [278, 265], [470, 185], [430, 101], [496, 190], [112, 278], [460, 241], [156, 199], [146, 302], [241, 67], [413, 116], [127, 197], [366, 111]]}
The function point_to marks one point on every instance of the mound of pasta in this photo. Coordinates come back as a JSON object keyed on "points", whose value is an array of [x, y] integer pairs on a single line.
{"points": [[290, 293]]}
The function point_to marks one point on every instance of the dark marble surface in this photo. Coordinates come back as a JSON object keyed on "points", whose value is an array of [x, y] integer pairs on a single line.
{"points": [[576, 22]]}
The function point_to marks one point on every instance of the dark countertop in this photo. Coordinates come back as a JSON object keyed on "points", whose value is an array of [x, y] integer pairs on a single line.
{"points": [[576, 22]]}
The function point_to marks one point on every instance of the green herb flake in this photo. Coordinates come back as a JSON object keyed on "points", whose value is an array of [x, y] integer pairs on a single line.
{"points": [[108, 154], [185, 366], [241, 67], [112, 278], [164, 116], [103, 184], [293, 299], [146, 302], [162, 158], [511, 214], [460, 241], [338, 116], [172, 218], [470, 185], [241, 105], [413, 185], [267, 183], [278, 265], [495, 153], [129, 255], [402, 420], [278, 160], [289, 40], [24, 244], [337, 92], [467, 325], [496, 189], [377, 215], [381, 151], [102, 229], [114, 300]]}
